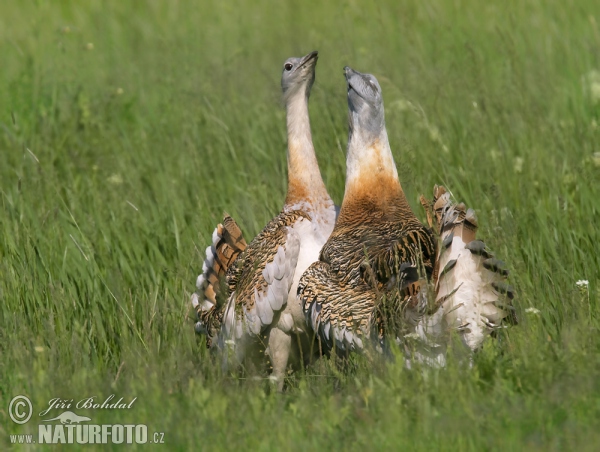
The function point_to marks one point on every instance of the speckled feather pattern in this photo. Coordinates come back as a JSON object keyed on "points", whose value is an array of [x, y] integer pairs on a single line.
{"points": [[246, 274], [359, 265], [261, 283]]}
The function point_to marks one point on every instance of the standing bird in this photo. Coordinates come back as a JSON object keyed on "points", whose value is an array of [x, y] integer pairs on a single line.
{"points": [[379, 255], [262, 277], [472, 297]]}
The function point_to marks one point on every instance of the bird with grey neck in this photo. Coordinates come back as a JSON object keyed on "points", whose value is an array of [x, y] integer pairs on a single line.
{"points": [[257, 308], [367, 282]]}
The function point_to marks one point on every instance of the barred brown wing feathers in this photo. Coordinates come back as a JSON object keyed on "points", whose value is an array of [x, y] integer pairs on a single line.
{"points": [[208, 300], [341, 316], [233, 242], [264, 273], [230, 245], [260, 252], [361, 266], [407, 256], [260, 273]]}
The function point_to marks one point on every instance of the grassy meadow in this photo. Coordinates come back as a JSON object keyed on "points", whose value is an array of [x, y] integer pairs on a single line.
{"points": [[128, 128]]}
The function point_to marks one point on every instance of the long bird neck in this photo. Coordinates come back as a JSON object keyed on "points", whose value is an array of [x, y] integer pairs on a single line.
{"points": [[373, 190], [305, 184]]}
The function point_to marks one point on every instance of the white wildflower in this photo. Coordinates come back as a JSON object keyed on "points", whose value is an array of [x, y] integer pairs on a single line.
{"points": [[582, 283], [534, 311], [434, 134], [518, 164]]}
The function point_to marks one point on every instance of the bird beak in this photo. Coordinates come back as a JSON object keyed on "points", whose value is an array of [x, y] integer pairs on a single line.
{"points": [[307, 58]]}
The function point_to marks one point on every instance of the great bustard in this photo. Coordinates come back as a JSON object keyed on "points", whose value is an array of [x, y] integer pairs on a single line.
{"points": [[471, 296], [262, 278], [379, 254]]}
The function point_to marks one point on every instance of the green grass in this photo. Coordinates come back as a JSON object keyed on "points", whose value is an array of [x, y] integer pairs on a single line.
{"points": [[127, 128]]}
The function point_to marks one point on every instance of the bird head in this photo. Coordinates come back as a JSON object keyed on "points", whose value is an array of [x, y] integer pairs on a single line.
{"points": [[365, 102], [299, 74]]}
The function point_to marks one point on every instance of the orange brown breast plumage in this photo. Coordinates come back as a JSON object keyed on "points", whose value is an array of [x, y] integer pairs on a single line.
{"points": [[379, 252]]}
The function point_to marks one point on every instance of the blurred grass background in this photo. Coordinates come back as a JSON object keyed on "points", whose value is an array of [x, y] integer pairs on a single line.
{"points": [[127, 128]]}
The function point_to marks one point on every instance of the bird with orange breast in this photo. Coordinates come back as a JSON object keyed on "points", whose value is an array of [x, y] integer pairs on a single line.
{"points": [[372, 273], [258, 307], [383, 273]]}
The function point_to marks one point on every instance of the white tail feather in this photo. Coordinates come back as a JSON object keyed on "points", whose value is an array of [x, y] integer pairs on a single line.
{"points": [[469, 285], [227, 243], [202, 283]]}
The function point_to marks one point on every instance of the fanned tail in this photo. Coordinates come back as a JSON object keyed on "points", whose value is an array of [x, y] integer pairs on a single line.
{"points": [[471, 294], [470, 284], [208, 300]]}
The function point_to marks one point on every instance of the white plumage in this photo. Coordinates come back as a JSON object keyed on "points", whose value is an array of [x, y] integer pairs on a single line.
{"points": [[262, 280], [471, 295]]}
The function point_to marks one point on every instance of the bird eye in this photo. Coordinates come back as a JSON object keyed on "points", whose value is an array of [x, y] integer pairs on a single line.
{"points": [[288, 66]]}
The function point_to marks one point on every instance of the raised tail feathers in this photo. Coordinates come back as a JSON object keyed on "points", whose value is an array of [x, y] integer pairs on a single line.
{"points": [[227, 244], [470, 284]]}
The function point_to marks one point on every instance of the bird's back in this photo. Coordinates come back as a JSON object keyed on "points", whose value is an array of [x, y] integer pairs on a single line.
{"points": [[246, 276]]}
